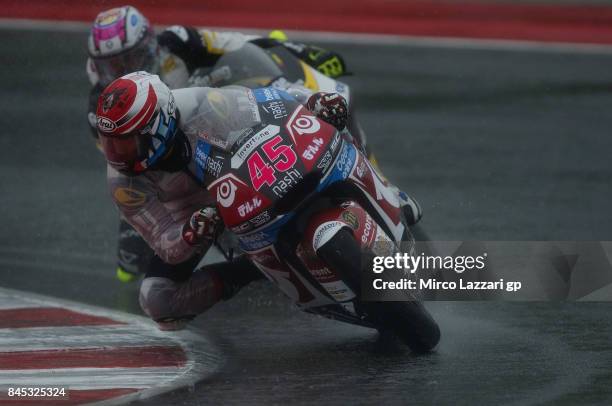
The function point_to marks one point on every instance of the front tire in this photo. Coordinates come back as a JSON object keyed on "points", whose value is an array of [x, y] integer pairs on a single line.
{"points": [[409, 320]]}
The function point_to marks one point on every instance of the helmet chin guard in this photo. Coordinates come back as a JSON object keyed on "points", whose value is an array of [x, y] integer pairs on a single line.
{"points": [[137, 121]]}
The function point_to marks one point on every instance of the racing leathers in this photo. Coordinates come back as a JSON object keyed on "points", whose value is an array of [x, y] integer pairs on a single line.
{"points": [[160, 202], [183, 50]]}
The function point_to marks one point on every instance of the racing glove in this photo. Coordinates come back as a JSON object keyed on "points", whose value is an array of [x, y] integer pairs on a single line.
{"points": [[329, 107], [202, 227]]}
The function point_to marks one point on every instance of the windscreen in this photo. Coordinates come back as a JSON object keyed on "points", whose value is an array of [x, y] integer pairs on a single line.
{"points": [[220, 116], [248, 66]]}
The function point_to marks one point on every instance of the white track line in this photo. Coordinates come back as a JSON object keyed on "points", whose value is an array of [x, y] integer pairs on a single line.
{"points": [[13, 303], [353, 38], [89, 378], [38, 338]]}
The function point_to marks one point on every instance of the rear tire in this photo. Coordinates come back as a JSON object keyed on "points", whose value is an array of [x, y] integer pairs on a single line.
{"points": [[409, 320]]}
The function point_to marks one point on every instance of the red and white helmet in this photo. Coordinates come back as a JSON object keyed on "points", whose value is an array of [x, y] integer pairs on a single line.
{"points": [[122, 41], [137, 121]]}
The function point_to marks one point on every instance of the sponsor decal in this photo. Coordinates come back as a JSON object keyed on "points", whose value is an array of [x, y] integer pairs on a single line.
{"points": [[321, 273], [214, 165], [324, 233], [284, 184], [306, 125], [361, 168], [367, 230], [351, 219], [242, 228], [276, 108], [205, 162], [346, 161], [105, 125], [260, 219], [111, 98], [171, 107], [213, 140], [325, 161], [129, 197], [252, 143], [339, 291], [249, 207], [302, 122], [255, 241], [243, 137], [267, 94], [201, 155], [109, 17], [311, 150], [340, 87], [334, 144], [226, 193]]}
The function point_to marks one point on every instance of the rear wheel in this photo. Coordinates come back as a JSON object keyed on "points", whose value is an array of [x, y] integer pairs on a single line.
{"points": [[409, 320]]}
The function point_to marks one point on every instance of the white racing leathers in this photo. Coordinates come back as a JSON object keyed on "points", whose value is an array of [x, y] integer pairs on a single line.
{"points": [[158, 203]]}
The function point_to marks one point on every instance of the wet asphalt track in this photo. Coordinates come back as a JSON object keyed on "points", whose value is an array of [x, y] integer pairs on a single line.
{"points": [[499, 145]]}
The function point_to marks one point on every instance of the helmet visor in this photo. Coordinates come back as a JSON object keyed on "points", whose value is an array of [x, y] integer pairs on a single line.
{"points": [[142, 57], [125, 151]]}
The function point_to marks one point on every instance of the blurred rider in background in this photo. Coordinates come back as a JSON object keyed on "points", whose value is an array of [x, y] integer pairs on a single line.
{"points": [[122, 41]]}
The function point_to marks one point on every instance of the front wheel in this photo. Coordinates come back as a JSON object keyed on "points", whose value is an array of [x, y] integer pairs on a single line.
{"points": [[409, 320]]}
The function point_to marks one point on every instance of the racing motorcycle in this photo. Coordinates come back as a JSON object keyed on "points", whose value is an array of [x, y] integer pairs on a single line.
{"points": [[309, 209]]}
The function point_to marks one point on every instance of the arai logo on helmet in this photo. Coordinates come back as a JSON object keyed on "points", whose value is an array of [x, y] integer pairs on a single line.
{"points": [[105, 125]]}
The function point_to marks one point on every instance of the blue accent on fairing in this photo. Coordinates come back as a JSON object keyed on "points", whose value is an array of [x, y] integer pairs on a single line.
{"points": [[202, 152], [134, 20], [342, 166], [266, 94], [264, 237]]}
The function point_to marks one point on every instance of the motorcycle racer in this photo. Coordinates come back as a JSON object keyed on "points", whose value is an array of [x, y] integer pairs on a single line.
{"points": [[150, 136], [122, 41]]}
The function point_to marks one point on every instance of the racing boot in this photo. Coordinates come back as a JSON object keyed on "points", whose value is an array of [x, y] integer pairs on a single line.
{"points": [[235, 275]]}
